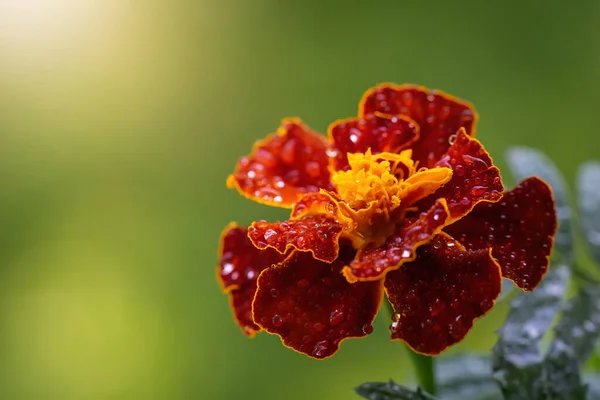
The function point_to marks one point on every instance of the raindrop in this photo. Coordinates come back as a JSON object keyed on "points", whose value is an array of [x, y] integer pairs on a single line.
{"points": [[274, 292], [270, 233], [277, 320], [336, 317]]}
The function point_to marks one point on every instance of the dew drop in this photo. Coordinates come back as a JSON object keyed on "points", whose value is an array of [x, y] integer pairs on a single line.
{"points": [[227, 269], [274, 292], [318, 327], [367, 329], [478, 190], [269, 233], [320, 348], [396, 317], [451, 139], [336, 317], [277, 320], [303, 283]]}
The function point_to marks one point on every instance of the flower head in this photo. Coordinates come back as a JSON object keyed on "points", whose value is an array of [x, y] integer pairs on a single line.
{"points": [[401, 201]]}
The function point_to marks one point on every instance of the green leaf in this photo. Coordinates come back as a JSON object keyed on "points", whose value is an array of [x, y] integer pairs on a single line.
{"points": [[391, 391], [577, 333], [525, 162], [588, 198], [516, 359], [466, 376]]}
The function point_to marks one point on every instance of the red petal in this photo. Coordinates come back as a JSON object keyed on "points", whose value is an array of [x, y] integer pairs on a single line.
{"points": [[310, 305], [378, 132], [373, 263], [438, 115], [318, 234], [520, 229], [438, 295], [474, 177], [284, 166], [240, 264]]}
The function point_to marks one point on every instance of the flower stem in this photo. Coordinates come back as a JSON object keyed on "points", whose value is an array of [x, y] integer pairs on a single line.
{"points": [[424, 369], [423, 365]]}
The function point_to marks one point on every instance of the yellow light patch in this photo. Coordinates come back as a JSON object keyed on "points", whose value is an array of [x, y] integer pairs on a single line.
{"points": [[377, 185]]}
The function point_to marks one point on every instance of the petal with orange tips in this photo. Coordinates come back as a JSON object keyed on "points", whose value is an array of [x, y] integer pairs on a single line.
{"points": [[437, 297], [240, 264], [374, 262], [438, 115], [318, 234], [378, 132], [474, 177], [310, 305], [284, 166], [519, 228]]}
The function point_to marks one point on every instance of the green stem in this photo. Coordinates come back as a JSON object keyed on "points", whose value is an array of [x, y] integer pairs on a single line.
{"points": [[423, 365], [424, 369]]}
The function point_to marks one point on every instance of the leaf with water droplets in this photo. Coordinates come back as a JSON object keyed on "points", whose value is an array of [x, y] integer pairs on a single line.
{"points": [[576, 335], [516, 360], [391, 391], [588, 198], [525, 162], [466, 376]]}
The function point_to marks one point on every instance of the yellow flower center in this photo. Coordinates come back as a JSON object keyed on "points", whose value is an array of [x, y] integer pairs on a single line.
{"points": [[378, 189]]}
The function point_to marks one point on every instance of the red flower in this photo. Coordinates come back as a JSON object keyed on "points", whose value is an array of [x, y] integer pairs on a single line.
{"points": [[400, 200]]}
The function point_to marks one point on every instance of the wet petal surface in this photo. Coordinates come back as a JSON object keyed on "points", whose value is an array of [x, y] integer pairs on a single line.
{"points": [[318, 234], [474, 177], [284, 166], [378, 132], [374, 262], [437, 296], [438, 115], [310, 305], [240, 264], [519, 228]]}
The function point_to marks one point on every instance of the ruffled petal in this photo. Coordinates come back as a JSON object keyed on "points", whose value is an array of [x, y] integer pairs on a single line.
{"points": [[437, 296], [378, 132], [284, 166], [318, 234], [438, 115], [310, 305], [519, 228], [372, 262], [474, 177], [240, 264]]}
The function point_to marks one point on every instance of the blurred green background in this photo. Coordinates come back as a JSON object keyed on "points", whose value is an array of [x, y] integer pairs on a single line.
{"points": [[119, 122]]}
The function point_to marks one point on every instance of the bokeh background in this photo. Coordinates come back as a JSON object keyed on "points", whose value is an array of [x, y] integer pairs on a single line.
{"points": [[120, 120]]}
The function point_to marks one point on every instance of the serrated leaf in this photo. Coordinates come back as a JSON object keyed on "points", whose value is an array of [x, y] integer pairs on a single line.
{"points": [[516, 358], [588, 199], [525, 162], [466, 377], [391, 391], [577, 333]]}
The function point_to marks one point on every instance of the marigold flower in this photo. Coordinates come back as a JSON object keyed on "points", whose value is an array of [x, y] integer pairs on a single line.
{"points": [[401, 200]]}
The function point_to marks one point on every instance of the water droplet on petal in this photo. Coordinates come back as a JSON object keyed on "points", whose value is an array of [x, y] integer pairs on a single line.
{"points": [[277, 320], [336, 317]]}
